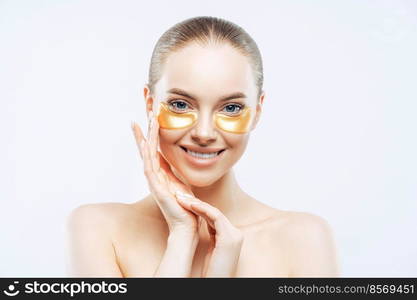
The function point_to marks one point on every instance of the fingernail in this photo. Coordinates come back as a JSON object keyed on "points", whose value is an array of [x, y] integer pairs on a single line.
{"points": [[184, 194], [132, 124], [179, 194], [181, 198]]}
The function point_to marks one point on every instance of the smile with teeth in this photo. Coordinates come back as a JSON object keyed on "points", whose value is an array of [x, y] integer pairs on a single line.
{"points": [[201, 154]]}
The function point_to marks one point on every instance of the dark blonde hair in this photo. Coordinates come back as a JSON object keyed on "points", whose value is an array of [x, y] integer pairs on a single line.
{"points": [[204, 30]]}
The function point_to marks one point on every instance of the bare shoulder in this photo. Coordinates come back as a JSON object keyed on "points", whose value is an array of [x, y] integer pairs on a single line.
{"points": [[294, 224], [90, 233], [309, 242], [113, 221], [104, 214], [298, 228], [97, 223]]}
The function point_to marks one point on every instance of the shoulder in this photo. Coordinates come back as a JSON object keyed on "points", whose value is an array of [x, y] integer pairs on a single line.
{"points": [[300, 229], [303, 224], [289, 224], [103, 214], [309, 243], [111, 220], [95, 223], [91, 229]]}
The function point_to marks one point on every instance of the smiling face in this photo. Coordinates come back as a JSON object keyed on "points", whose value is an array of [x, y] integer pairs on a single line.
{"points": [[207, 103]]}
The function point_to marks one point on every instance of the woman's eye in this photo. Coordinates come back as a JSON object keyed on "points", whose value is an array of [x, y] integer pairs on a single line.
{"points": [[178, 105], [232, 108]]}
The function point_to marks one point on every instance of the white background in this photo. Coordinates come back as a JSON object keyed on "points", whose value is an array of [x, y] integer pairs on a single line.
{"points": [[337, 137]]}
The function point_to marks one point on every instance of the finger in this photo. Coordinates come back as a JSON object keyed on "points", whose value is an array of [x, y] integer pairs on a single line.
{"points": [[183, 200], [146, 161], [148, 150], [187, 196], [156, 179], [211, 214], [154, 130], [164, 165], [150, 143], [149, 166], [149, 124], [153, 150], [149, 172], [171, 186], [138, 136], [153, 143], [199, 210], [165, 168]]}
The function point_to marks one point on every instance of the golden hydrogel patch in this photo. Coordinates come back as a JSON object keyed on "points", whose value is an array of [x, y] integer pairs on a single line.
{"points": [[168, 119], [234, 124]]}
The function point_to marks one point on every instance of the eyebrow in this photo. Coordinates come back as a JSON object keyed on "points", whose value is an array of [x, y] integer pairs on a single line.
{"points": [[183, 93]]}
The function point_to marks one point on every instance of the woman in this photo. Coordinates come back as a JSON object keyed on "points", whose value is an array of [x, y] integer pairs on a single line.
{"points": [[203, 98]]}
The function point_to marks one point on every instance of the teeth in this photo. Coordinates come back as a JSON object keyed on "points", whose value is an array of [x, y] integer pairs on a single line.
{"points": [[202, 155]]}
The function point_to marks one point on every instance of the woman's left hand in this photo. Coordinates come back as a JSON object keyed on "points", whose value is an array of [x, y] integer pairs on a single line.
{"points": [[225, 239]]}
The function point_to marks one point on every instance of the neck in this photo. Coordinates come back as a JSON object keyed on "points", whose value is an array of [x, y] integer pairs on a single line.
{"points": [[224, 194]]}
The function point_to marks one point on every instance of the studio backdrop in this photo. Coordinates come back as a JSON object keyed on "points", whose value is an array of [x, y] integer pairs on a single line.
{"points": [[337, 137]]}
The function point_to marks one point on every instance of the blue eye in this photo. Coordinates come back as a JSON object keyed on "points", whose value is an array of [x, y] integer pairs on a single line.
{"points": [[233, 108], [181, 106], [178, 105]]}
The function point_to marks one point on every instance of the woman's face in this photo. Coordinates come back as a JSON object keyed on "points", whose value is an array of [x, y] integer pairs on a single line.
{"points": [[196, 80]]}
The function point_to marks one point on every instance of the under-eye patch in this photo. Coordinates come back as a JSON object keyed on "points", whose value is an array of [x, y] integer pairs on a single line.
{"points": [[234, 124], [169, 119]]}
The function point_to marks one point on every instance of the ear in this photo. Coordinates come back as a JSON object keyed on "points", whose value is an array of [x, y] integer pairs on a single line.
{"points": [[258, 110], [149, 101]]}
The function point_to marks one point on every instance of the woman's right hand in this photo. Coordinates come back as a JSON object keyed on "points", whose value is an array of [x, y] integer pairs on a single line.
{"points": [[162, 182]]}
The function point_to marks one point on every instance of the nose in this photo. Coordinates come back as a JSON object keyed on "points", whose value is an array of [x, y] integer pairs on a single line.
{"points": [[203, 133]]}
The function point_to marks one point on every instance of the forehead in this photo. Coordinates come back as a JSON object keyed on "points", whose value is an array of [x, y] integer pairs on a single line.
{"points": [[208, 71]]}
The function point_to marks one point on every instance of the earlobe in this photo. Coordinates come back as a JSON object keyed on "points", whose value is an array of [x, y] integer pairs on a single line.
{"points": [[258, 109], [261, 98], [258, 112], [146, 91]]}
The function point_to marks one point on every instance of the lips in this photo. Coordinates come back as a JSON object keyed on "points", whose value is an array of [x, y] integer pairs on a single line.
{"points": [[202, 158], [203, 152], [201, 149]]}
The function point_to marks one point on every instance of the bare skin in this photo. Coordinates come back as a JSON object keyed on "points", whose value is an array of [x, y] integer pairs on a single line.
{"points": [[198, 222], [128, 240]]}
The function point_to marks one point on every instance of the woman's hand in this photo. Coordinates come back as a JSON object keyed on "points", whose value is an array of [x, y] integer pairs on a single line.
{"points": [[225, 239], [163, 184]]}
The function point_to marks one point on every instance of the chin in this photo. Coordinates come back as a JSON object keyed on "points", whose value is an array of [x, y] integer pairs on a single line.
{"points": [[200, 178], [202, 182]]}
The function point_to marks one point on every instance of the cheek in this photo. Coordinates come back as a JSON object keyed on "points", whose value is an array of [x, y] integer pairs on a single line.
{"points": [[167, 136], [236, 141], [236, 144], [167, 141]]}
